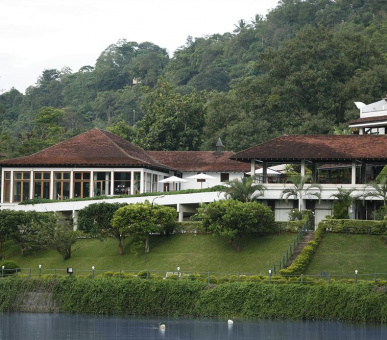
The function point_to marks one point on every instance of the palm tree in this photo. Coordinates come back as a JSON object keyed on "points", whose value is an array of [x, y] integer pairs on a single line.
{"points": [[242, 25], [299, 191], [380, 187], [343, 201], [244, 190]]}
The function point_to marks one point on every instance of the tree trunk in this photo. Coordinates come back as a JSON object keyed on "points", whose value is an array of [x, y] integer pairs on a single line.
{"points": [[120, 246]]}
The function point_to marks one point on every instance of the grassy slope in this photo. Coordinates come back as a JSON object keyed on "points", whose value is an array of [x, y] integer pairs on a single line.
{"points": [[343, 254], [200, 253]]}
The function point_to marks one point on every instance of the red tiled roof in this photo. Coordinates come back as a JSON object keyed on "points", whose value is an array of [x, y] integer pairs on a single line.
{"points": [[319, 147], [368, 120], [200, 161], [92, 148]]}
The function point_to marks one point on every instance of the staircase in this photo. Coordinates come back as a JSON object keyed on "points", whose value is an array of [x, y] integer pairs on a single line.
{"points": [[309, 236]]}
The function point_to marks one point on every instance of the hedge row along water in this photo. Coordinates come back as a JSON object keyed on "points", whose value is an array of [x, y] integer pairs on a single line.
{"points": [[360, 302]]}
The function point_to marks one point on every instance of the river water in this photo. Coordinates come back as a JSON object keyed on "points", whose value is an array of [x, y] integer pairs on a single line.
{"points": [[28, 326]]}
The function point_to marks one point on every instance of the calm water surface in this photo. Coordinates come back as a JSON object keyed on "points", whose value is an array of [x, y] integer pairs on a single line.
{"points": [[28, 326]]}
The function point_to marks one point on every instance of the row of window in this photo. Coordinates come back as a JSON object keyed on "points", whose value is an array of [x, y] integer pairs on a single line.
{"points": [[124, 183]]}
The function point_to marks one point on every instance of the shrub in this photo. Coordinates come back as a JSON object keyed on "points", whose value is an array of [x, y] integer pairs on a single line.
{"points": [[10, 267]]}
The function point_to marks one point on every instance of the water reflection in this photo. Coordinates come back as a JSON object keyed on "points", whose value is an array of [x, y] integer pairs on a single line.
{"points": [[28, 326]]}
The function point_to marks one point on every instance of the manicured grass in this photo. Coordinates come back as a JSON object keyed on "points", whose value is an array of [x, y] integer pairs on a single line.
{"points": [[343, 254], [201, 253]]}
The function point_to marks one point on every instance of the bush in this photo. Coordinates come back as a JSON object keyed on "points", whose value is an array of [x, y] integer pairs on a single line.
{"points": [[10, 267]]}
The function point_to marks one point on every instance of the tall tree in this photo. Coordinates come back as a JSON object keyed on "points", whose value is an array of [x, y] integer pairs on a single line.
{"points": [[96, 219], [171, 121]]}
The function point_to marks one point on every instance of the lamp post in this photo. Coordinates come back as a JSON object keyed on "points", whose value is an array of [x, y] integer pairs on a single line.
{"points": [[147, 235], [178, 273], [92, 270], [40, 270], [2, 271], [269, 275], [356, 275]]}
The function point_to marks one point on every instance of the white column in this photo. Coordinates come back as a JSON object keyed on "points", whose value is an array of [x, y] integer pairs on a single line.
{"points": [[252, 167], [92, 184], [112, 183], [2, 186], [71, 183], [353, 173], [51, 184], [302, 167], [31, 184], [11, 193], [142, 179], [180, 211]]}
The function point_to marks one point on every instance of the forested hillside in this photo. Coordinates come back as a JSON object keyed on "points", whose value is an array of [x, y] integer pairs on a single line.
{"points": [[296, 71]]}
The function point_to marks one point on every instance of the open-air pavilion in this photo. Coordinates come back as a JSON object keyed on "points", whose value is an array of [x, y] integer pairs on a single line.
{"points": [[334, 161]]}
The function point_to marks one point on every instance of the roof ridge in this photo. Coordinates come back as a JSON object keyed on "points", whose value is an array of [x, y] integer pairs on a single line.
{"points": [[128, 155], [135, 146]]}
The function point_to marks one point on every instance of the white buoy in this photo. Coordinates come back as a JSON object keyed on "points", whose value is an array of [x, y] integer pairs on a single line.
{"points": [[230, 322], [162, 327]]}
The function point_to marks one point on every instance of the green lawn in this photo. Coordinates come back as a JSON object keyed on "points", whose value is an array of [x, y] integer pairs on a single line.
{"points": [[201, 253], [343, 254]]}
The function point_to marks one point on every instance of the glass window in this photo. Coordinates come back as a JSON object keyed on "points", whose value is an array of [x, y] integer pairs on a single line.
{"points": [[42, 185], [7, 186], [21, 186], [122, 183], [62, 185], [101, 183], [81, 184]]}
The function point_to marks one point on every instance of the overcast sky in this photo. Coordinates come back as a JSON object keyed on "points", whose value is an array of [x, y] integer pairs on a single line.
{"points": [[42, 34]]}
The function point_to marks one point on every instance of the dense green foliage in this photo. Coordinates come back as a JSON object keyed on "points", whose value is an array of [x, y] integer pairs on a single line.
{"points": [[297, 70], [34, 231], [142, 219], [360, 302], [234, 219], [96, 219]]}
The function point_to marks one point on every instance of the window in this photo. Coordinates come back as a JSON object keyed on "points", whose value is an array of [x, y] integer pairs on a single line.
{"points": [[101, 183], [42, 184], [7, 186], [122, 183], [81, 184], [21, 186], [61, 185], [224, 177]]}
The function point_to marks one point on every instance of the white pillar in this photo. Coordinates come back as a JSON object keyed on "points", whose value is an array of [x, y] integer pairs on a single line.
{"points": [[142, 180], [353, 173], [72, 183], [180, 211], [51, 184], [252, 167], [91, 193], [31, 184], [12, 183], [112, 183], [302, 167]]}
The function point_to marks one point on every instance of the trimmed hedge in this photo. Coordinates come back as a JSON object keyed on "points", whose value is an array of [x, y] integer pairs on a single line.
{"points": [[300, 264], [109, 296], [355, 226]]}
